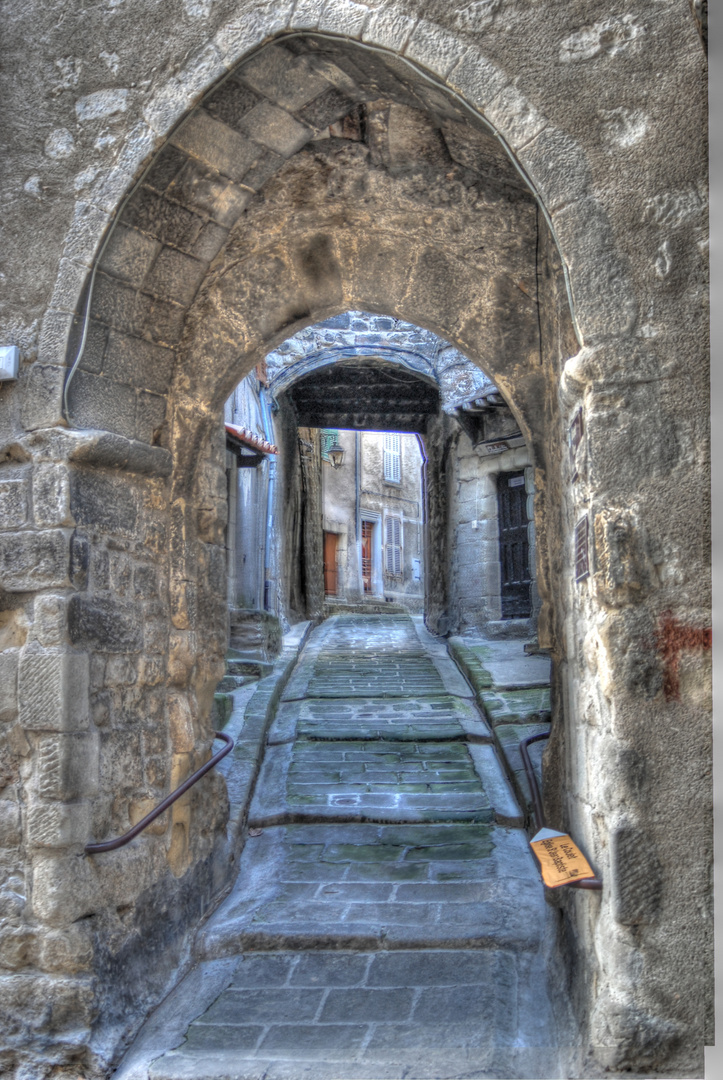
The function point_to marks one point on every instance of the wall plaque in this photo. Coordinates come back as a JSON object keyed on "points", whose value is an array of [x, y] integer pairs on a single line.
{"points": [[582, 549]]}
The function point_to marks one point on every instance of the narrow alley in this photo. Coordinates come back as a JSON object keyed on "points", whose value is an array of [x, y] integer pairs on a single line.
{"points": [[354, 438], [388, 917]]}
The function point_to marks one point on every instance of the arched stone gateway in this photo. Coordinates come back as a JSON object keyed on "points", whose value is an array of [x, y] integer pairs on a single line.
{"points": [[527, 203]]}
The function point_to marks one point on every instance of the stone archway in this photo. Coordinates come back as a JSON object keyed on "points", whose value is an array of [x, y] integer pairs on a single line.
{"points": [[192, 289]]}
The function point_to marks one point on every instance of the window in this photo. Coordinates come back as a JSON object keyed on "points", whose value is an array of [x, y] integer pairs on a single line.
{"points": [[393, 560], [392, 458]]}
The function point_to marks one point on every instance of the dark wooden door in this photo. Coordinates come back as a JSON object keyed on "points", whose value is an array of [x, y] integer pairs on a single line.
{"points": [[514, 546], [331, 573], [367, 527]]}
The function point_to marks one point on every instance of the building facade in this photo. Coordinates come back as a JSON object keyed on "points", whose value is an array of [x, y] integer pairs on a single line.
{"points": [[374, 518]]}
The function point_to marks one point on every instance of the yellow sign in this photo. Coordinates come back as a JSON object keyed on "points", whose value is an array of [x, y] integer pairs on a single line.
{"points": [[560, 859]]}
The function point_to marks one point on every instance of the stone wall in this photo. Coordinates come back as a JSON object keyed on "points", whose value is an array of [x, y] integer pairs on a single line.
{"points": [[475, 589], [249, 224]]}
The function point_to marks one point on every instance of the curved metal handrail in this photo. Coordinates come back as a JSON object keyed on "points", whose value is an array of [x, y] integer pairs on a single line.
{"points": [[586, 883], [121, 841]]}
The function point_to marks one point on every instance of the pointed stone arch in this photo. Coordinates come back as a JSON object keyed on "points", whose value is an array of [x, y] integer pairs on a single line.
{"points": [[133, 552]]}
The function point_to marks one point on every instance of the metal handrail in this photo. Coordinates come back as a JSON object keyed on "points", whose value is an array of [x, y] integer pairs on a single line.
{"points": [[586, 883], [121, 841]]}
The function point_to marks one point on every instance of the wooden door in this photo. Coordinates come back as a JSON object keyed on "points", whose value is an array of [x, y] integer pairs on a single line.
{"points": [[331, 573], [514, 546], [366, 555]]}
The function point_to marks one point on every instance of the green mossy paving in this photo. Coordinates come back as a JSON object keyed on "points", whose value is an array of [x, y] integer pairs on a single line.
{"points": [[516, 706], [377, 736], [426, 718]]}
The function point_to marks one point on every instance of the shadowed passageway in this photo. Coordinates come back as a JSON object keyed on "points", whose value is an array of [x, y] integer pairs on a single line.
{"points": [[388, 918]]}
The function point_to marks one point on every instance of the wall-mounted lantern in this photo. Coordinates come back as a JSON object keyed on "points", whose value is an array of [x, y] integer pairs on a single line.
{"points": [[336, 455]]}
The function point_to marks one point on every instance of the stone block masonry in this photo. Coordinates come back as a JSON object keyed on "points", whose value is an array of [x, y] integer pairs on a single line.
{"points": [[581, 294]]}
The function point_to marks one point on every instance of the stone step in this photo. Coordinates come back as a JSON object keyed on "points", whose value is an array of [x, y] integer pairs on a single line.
{"points": [[379, 886], [369, 780], [248, 666], [375, 1015]]}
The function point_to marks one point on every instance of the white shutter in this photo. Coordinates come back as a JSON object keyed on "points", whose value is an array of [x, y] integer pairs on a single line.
{"points": [[392, 457], [389, 547], [393, 560]]}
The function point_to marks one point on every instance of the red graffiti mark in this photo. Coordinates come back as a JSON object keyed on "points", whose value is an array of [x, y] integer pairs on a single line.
{"points": [[672, 639]]}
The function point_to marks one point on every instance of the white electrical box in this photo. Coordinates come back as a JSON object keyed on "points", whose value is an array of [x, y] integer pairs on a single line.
{"points": [[9, 362]]}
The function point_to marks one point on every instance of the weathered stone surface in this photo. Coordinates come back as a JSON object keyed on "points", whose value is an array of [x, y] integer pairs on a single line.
{"points": [[638, 878], [14, 503], [216, 145], [41, 406], [102, 500], [53, 689], [104, 624], [116, 452], [32, 1003], [181, 723], [51, 496], [8, 684], [67, 766], [9, 823], [59, 825], [99, 402], [641, 155], [129, 255], [34, 560]]}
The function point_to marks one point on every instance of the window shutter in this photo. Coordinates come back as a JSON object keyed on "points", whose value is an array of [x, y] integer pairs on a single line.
{"points": [[393, 560], [390, 545], [392, 457]]}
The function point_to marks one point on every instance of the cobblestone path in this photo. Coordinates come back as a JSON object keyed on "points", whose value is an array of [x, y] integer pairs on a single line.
{"points": [[388, 919]]}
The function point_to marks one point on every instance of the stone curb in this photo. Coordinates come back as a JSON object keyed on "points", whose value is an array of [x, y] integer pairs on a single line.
{"points": [[248, 752], [508, 750], [479, 677]]}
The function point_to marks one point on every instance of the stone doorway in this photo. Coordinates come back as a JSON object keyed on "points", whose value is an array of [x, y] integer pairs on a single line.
{"points": [[366, 556], [514, 546], [331, 567], [450, 188]]}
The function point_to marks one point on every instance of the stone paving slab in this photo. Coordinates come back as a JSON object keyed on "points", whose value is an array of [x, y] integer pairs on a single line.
{"points": [[369, 780], [516, 706], [412, 719], [346, 658], [387, 1014], [385, 675], [426, 1064], [512, 669], [501, 664], [370, 886], [377, 718], [369, 934]]}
